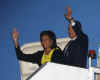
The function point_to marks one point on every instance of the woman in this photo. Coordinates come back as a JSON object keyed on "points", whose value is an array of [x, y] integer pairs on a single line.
{"points": [[50, 53]]}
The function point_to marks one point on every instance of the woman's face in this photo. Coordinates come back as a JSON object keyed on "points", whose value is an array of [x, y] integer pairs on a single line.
{"points": [[46, 42]]}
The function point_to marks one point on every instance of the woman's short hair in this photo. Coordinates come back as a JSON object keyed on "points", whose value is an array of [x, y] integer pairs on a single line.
{"points": [[51, 35]]}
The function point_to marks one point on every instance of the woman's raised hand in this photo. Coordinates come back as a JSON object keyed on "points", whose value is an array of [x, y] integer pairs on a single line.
{"points": [[15, 37]]}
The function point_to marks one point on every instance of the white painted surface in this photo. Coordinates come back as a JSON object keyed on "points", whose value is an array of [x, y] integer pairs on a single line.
{"points": [[54, 71]]}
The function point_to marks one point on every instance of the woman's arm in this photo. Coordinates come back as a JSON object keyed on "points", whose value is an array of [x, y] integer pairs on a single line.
{"points": [[35, 57], [20, 55]]}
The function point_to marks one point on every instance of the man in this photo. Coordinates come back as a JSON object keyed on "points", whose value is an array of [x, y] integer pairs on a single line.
{"points": [[76, 51]]}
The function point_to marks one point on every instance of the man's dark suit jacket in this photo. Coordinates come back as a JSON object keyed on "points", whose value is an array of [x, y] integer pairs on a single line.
{"points": [[76, 51]]}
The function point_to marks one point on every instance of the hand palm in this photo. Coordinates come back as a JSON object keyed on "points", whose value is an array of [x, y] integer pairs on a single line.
{"points": [[69, 13], [15, 34]]}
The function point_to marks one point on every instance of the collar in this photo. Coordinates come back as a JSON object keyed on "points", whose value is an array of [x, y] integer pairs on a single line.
{"points": [[74, 38]]}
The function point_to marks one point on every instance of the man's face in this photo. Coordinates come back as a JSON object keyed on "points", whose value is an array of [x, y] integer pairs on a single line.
{"points": [[71, 32]]}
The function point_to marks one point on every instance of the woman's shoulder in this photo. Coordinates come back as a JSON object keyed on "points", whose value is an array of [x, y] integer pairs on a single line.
{"points": [[57, 50]]}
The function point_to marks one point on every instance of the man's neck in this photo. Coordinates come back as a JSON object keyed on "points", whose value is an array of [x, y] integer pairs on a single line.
{"points": [[74, 38]]}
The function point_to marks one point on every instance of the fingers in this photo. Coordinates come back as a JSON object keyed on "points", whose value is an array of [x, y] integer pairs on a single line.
{"points": [[15, 37], [65, 15], [14, 34], [15, 31], [69, 12]]}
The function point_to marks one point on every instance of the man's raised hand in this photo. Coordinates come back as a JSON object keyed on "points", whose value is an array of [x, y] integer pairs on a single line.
{"points": [[69, 13]]}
